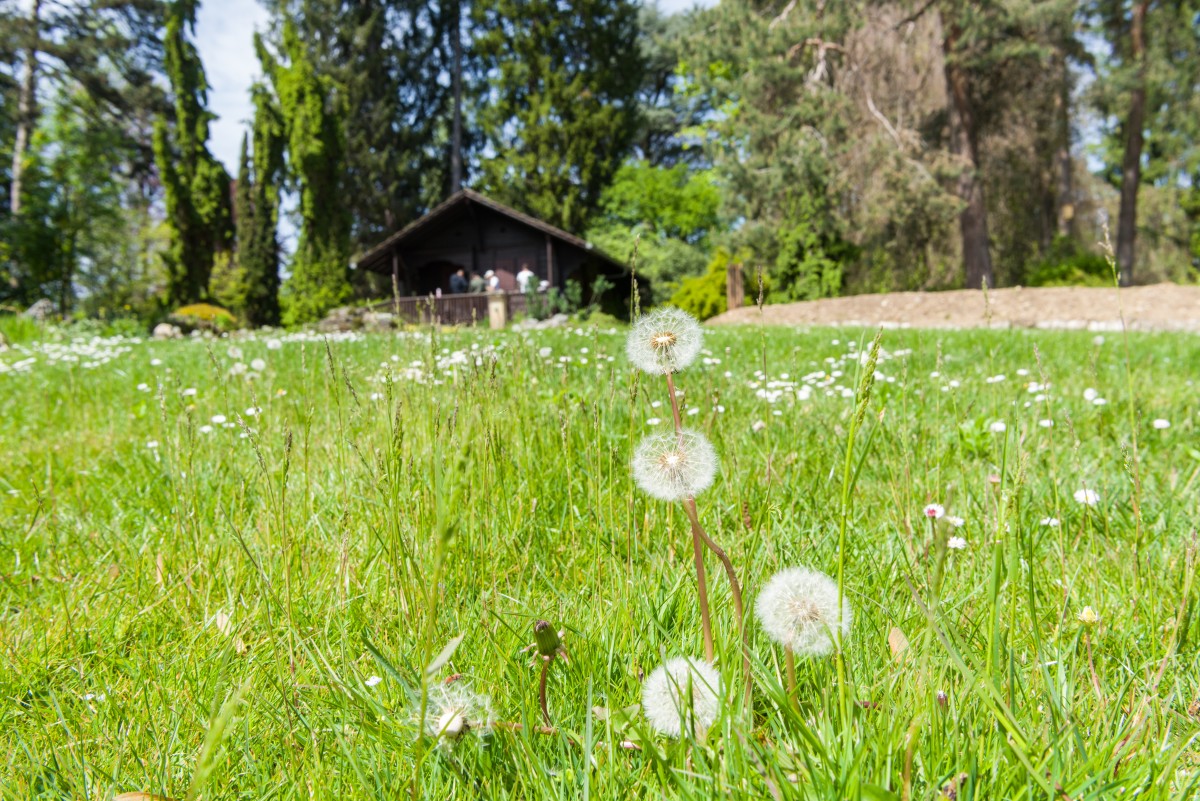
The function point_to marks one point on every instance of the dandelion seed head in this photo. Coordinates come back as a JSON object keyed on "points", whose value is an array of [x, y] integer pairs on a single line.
{"points": [[798, 609], [454, 709], [664, 341], [672, 467], [681, 693]]}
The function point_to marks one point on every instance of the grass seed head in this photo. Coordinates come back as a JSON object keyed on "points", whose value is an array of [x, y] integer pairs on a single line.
{"points": [[673, 467], [798, 609], [664, 341], [680, 694]]}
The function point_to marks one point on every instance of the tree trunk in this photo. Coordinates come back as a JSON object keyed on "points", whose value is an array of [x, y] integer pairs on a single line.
{"points": [[456, 178], [977, 261], [1131, 164], [1065, 196], [26, 108]]}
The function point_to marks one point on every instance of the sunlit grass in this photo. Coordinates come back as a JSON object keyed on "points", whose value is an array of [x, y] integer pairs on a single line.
{"points": [[144, 587]]}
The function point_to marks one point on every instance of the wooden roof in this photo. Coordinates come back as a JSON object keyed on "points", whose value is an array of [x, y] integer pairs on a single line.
{"points": [[376, 258]]}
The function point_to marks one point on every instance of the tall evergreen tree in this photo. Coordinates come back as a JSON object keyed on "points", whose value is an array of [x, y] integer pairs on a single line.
{"points": [[562, 112], [257, 210], [196, 185], [315, 154]]}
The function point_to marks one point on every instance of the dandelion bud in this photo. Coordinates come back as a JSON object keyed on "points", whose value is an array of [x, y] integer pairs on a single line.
{"points": [[546, 639], [798, 609], [673, 467], [681, 694], [1089, 616], [664, 341]]}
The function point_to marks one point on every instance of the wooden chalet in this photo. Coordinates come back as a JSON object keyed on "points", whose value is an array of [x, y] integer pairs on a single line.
{"points": [[477, 234]]}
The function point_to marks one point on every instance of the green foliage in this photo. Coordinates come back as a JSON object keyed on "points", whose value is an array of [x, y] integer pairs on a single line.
{"points": [[310, 118], [195, 185], [706, 296], [1069, 264], [670, 213], [561, 114], [229, 285], [259, 184]]}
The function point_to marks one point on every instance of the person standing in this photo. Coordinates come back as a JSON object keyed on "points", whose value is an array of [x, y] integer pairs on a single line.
{"points": [[458, 282], [477, 284], [493, 281], [524, 278]]}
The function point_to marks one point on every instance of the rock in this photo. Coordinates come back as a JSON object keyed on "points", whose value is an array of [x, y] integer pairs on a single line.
{"points": [[378, 321], [41, 311], [345, 318], [167, 331]]}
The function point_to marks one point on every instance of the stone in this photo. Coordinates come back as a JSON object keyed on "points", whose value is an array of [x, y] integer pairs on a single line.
{"points": [[378, 321], [41, 310], [167, 331]]}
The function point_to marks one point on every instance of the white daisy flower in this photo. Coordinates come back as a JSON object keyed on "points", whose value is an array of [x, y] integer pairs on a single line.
{"points": [[1161, 424], [1090, 394], [372, 681], [997, 427], [205, 429], [1088, 497], [798, 609], [152, 444], [955, 521], [253, 411], [1046, 423], [217, 419], [935, 511], [956, 543], [682, 695], [1051, 522], [664, 341], [672, 467], [274, 344]]}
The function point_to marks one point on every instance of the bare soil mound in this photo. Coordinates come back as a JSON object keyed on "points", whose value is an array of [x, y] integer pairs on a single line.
{"points": [[1162, 307]]}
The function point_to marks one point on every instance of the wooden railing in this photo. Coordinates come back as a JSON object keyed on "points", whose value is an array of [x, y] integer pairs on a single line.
{"points": [[451, 309]]}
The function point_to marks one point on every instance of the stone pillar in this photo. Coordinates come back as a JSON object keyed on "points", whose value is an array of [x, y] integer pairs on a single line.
{"points": [[497, 309]]}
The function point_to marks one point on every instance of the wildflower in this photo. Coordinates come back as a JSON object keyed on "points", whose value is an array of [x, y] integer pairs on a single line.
{"points": [[189, 392], [1088, 497], [956, 543], [955, 521], [934, 511], [205, 429], [372, 681], [1090, 394], [274, 344], [653, 421], [234, 352], [454, 709], [1088, 616], [1046, 423], [798, 609], [672, 467], [682, 691], [253, 411], [997, 427], [757, 426], [664, 341], [1161, 424], [1051, 522], [152, 444], [258, 365], [143, 387], [217, 419]]}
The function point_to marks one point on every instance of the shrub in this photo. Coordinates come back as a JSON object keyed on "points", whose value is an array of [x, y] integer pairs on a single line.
{"points": [[1068, 263], [704, 296], [203, 317]]}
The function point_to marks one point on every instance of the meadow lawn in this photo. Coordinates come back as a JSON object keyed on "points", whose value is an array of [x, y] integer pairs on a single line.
{"points": [[224, 564]]}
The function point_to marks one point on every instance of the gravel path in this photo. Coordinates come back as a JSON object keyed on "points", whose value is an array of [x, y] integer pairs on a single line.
{"points": [[1162, 307]]}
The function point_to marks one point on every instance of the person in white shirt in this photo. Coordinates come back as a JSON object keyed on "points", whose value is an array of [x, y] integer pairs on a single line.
{"points": [[524, 278], [493, 281]]}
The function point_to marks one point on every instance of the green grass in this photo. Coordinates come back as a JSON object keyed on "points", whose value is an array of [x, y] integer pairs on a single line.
{"points": [[144, 588]]}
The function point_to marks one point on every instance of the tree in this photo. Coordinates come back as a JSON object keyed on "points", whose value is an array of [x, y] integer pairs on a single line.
{"points": [[315, 156], [669, 117], [196, 185], [257, 207], [562, 114]]}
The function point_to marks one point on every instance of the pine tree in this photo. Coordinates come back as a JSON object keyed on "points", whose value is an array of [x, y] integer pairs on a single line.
{"points": [[257, 209], [196, 185], [562, 113], [315, 153]]}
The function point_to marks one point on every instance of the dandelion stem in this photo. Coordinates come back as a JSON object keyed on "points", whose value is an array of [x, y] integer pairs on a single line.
{"points": [[789, 659], [674, 404], [702, 593], [542, 689]]}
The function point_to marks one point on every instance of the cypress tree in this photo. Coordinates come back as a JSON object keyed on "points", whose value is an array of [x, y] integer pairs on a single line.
{"points": [[195, 184], [259, 179], [315, 149]]}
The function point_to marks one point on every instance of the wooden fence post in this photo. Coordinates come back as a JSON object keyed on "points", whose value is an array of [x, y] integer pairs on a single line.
{"points": [[735, 287]]}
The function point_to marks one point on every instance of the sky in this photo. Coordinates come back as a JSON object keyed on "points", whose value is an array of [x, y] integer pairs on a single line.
{"points": [[224, 36]]}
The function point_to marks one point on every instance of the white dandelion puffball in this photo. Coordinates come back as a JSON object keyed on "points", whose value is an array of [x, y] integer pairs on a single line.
{"points": [[682, 692], [1088, 497], [673, 467], [454, 709], [664, 341], [798, 609]]}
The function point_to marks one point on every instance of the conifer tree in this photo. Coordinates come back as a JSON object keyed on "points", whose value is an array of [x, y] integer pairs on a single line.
{"points": [[315, 154], [259, 180], [195, 184], [563, 111]]}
